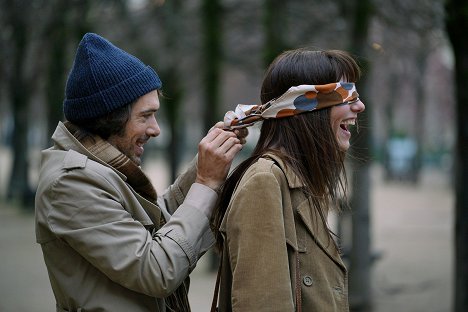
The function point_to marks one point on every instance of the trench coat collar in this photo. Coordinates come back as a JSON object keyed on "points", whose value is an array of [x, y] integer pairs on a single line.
{"points": [[63, 139]]}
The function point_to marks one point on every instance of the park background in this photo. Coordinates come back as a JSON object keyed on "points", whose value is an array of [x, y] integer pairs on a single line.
{"points": [[401, 239]]}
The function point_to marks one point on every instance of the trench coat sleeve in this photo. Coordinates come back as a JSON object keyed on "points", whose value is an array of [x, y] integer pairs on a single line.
{"points": [[257, 247], [175, 194], [87, 213]]}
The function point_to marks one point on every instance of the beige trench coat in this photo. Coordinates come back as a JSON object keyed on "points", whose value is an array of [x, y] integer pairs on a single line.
{"points": [[99, 238], [267, 221]]}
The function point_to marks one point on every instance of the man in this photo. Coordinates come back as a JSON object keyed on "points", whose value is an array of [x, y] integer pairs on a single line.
{"points": [[109, 242]]}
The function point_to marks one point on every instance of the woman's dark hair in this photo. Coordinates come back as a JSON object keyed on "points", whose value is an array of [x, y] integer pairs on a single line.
{"points": [[305, 142]]}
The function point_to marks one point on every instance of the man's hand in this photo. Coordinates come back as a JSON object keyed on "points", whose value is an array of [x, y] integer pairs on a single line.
{"points": [[215, 154], [241, 133]]}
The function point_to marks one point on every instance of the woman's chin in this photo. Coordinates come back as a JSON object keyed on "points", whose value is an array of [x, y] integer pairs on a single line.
{"points": [[344, 146]]}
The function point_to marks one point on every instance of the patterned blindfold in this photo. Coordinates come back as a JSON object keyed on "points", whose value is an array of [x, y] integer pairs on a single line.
{"points": [[297, 100]]}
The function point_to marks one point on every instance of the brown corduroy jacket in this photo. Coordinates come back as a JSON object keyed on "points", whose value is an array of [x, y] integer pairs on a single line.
{"points": [[268, 222]]}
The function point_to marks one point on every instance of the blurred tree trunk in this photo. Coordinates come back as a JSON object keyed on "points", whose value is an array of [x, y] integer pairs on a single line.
{"points": [[457, 24], [274, 15], [360, 256], [211, 63], [211, 12], [80, 21], [56, 77], [420, 116], [173, 88], [389, 105], [172, 82], [70, 25], [19, 187]]}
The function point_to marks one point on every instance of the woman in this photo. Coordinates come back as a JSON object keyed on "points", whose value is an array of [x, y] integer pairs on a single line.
{"points": [[278, 253]]}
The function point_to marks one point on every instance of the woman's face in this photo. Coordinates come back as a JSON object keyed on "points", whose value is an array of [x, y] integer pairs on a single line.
{"points": [[341, 117]]}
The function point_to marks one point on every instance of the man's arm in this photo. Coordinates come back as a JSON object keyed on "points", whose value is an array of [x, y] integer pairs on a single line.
{"points": [[216, 152]]}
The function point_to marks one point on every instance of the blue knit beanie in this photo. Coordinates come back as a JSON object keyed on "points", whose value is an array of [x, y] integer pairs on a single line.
{"points": [[104, 78]]}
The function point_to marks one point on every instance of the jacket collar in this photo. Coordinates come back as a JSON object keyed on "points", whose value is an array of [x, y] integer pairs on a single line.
{"points": [[293, 180], [64, 140]]}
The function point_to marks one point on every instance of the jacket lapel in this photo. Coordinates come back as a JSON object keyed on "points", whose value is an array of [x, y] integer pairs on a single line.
{"points": [[152, 211], [309, 217], [319, 232]]}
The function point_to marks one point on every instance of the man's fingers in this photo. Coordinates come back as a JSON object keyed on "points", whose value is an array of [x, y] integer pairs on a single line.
{"points": [[241, 133], [229, 143], [212, 134], [217, 137], [215, 154], [233, 150], [225, 146], [218, 125]]}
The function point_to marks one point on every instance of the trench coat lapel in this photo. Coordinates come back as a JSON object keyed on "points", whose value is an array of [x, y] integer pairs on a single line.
{"points": [[153, 212]]}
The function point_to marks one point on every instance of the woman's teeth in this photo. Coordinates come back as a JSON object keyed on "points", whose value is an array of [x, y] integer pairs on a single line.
{"points": [[346, 123]]}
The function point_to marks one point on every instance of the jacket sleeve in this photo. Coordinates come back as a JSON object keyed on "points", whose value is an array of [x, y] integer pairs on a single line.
{"points": [[257, 247], [88, 214], [175, 194]]}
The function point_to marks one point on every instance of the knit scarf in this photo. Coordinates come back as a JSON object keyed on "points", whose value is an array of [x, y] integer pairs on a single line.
{"points": [[136, 178]]}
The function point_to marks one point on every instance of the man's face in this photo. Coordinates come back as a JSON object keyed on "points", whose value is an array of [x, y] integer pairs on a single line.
{"points": [[141, 126]]}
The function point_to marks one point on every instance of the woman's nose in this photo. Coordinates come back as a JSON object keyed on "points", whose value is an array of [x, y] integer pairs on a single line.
{"points": [[358, 106]]}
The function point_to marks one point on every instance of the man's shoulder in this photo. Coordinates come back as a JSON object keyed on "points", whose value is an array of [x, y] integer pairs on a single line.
{"points": [[72, 163], [74, 160]]}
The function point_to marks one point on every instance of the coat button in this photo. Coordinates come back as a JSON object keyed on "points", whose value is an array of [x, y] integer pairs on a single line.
{"points": [[307, 280]]}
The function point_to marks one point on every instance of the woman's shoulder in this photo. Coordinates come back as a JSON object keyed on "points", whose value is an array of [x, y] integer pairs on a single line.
{"points": [[266, 166], [274, 166]]}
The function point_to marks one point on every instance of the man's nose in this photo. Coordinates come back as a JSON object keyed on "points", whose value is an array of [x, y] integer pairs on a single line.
{"points": [[153, 130]]}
